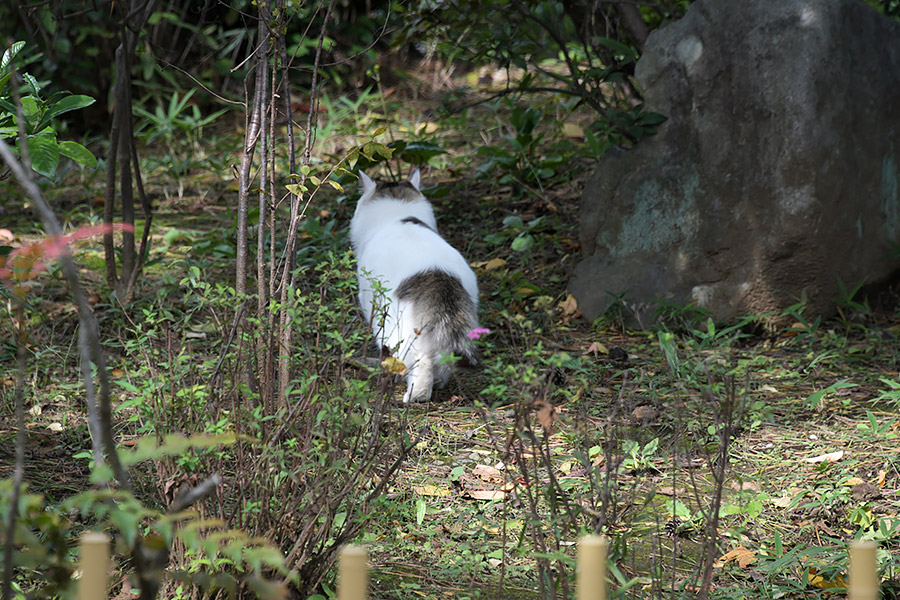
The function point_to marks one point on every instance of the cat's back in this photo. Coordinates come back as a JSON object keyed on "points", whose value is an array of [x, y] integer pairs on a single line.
{"points": [[375, 217]]}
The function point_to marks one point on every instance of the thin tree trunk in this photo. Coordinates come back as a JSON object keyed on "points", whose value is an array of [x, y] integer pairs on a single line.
{"points": [[288, 274], [251, 135]]}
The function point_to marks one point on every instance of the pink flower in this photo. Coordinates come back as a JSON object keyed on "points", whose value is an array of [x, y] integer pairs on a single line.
{"points": [[478, 332]]}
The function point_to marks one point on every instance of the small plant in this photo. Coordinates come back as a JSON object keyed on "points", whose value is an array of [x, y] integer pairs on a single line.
{"points": [[849, 308], [804, 329], [639, 458], [892, 393], [521, 233], [519, 158], [179, 125], [38, 114]]}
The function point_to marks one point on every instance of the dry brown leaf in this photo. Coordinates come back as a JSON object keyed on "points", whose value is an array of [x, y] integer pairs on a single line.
{"points": [[547, 415], [830, 457], [882, 478], [596, 348], [489, 265], [486, 494], [569, 306], [644, 414], [783, 502], [853, 481], [486, 472], [117, 373], [741, 555], [745, 485]]}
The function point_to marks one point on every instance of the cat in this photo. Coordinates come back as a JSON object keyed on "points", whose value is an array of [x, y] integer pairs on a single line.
{"points": [[429, 304]]}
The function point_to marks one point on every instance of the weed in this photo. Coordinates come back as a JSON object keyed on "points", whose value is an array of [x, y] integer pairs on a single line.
{"points": [[179, 125]]}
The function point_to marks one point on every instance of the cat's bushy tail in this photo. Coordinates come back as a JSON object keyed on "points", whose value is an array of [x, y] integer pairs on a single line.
{"points": [[445, 311]]}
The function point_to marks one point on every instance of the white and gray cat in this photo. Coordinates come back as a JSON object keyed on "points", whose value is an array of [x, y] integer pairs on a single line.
{"points": [[430, 302]]}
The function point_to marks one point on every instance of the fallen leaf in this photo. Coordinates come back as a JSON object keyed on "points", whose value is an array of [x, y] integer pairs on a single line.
{"points": [[431, 490], [55, 427], [817, 581], [644, 414], [35, 410], [830, 457], [783, 502], [494, 264], [6, 235], [596, 348], [569, 306], [487, 472], [494, 562], [572, 130], [666, 490], [546, 415], [853, 481], [745, 485], [882, 477], [743, 556], [117, 373], [768, 388], [393, 365]]}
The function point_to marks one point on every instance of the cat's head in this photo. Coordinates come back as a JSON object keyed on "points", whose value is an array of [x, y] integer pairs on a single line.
{"points": [[405, 191]]}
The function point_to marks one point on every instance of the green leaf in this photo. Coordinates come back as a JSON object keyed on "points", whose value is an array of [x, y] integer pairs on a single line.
{"points": [[296, 189], [78, 153], [44, 152], [10, 54], [65, 105], [32, 83], [31, 111], [420, 511], [420, 152], [514, 221], [523, 242]]}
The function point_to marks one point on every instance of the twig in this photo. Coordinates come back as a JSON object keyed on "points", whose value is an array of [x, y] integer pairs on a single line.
{"points": [[203, 489]]}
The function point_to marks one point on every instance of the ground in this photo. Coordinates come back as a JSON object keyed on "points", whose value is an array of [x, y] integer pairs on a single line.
{"points": [[569, 426]]}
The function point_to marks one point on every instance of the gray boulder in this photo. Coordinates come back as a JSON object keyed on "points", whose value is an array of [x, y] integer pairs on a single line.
{"points": [[776, 173]]}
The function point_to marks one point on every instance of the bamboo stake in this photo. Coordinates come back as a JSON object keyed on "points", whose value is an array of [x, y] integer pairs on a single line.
{"points": [[353, 574], [94, 565], [863, 571], [591, 574]]}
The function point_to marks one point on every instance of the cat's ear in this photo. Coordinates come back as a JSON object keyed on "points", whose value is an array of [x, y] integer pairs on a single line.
{"points": [[415, 178], [366, 184]]}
